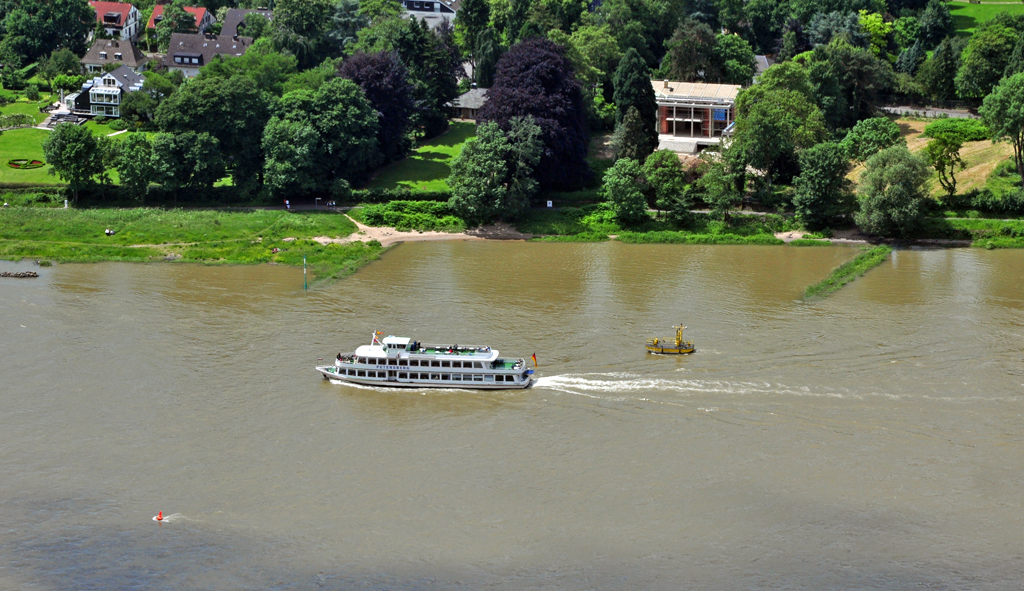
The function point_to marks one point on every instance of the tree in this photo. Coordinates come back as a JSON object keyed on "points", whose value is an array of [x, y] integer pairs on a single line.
{"points": [[892, 197], [633, 89], [667, 181], [61, 61], [632, 139], [175, 20], [535, 78], [772, 126], [491, 177], [691, 53], [878, 31], [623, 189], [911, 59], [822, 190], [488, 51], [937, 75], [718, 185], [290, 148], [936, 23], [346, 21], [269, 69], [474, 16], [766, 19], [158, 86], [134, 163], [68, 83], [35, 28], [735, 60], [138, 108], [1003, 112], [943, 154], [384, 81], [825, 27], [870, 136], [346, 128], [984, 60], [74, 156], [234, 111], [186, 160], [256, 25], [848, 82], [787, 76]]}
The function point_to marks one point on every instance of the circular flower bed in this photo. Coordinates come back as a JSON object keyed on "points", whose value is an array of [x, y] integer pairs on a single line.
{"points": [[24, 163]]}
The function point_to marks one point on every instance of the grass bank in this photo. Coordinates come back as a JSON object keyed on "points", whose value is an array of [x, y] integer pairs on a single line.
{"points": [[982, 232], [201, 236], [847, 272], [968, 16], [427, 168]]}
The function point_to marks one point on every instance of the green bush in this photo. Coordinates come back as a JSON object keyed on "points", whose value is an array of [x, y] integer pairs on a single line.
{"points": [[966, 130], [100, 120], [413, 215], [808, 242], [118, 125], [32, 92]]}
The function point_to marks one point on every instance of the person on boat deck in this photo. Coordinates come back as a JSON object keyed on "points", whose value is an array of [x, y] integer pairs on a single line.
{"points": [[338, 360]]}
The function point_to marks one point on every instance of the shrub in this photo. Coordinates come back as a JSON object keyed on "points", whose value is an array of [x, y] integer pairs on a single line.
{"points": [[100, 120], [118, 125], [966, 130], [32, 92], [413, 215]]}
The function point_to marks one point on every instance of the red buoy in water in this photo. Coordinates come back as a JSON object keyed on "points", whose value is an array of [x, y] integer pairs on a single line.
{"points": [[160, 516]]}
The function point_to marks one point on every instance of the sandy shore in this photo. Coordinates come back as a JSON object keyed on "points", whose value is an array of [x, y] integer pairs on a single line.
{"points": [[389, 236]]}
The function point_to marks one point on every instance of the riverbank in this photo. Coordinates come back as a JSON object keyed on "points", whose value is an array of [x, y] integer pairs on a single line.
{"points": [[199, 236]]}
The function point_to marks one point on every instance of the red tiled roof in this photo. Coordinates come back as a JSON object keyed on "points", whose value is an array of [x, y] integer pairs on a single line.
{"points": [[103, 8], [158, 10]]}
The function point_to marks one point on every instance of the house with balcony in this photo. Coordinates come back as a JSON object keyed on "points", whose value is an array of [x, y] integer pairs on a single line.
{"points": [[692, 115], [118, 19], [112, 51], [103, 94], [204, 18], [187, 53]]}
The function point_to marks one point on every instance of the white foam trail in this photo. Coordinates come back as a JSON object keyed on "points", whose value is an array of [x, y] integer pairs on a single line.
{"points": [[173, 517], [621, 383]]}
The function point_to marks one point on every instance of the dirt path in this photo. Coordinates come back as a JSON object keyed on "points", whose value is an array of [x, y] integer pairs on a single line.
{"points": [[389, 236]]}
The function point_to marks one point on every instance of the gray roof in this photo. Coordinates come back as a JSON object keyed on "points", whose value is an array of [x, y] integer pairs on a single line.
{"points": [[235, 16], [131, 56], [127, 78], [763, 63], [204, 47], [474, 99]]}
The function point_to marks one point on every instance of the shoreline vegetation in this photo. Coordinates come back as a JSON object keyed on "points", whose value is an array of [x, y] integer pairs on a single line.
{"points": [[847, 272]]}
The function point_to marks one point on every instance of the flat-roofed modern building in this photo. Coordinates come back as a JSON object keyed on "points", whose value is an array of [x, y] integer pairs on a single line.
{"points": [[696, 113]]}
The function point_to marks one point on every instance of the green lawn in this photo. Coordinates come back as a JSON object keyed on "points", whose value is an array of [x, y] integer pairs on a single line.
{"points": [[27, 108], [24, 143], [967, 17], [206, 236], [427, 168]]}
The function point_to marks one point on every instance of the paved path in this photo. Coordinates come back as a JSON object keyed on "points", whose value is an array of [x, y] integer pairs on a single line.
{"points": [[929, 112]]}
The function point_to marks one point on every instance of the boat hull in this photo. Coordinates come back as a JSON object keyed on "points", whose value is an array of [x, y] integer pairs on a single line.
{"points": [[670, 350], [328, 372]]}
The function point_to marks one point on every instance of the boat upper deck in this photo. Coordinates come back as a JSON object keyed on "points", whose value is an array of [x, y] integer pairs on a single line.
{"points": [[405, 348]]}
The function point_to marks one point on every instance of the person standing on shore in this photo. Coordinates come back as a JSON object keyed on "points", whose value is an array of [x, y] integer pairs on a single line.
{"points": [[287, 205]]}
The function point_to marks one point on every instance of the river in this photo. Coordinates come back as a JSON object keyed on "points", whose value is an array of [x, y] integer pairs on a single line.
{"points": [[869, 440]]}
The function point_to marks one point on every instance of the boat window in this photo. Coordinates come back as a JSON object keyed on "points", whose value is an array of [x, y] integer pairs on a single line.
{"points": [[414, 363], [402, 375], [456, 377], [478, 378], [499, 378], [446, 364], [435, 376], [456, 364], [362, 374], [435, 363], [478, 365], [445, 376], [489, 378], [361, 360], [403, 363]]}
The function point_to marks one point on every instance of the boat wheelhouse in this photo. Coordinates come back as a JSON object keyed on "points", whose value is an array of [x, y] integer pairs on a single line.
{"points": [[403, 362]]}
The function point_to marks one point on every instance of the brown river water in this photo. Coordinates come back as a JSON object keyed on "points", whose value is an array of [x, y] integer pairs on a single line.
{"points": [[871, 440]]}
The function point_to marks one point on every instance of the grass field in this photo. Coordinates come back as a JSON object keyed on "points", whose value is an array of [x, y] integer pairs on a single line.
{"points": [[24, 143], [205, 236], [427, 168], [967, 17], [981, 158]]}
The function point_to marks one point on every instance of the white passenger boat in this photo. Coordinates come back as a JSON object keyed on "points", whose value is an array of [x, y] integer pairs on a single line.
{"points": [[403, 362]]}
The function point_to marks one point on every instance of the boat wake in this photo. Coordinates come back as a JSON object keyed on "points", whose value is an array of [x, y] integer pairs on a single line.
{"points": [[597, 385], [173, 517]]}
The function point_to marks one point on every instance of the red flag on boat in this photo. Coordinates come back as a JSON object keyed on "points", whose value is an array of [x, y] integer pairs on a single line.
{"points": [[534, 357]]}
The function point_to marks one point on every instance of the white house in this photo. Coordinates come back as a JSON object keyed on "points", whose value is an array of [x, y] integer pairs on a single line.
{"points": [[119, 19]]}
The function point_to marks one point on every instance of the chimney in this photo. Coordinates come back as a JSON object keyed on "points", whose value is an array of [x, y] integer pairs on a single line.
{"points": [[665, 81], [234, 37], [472, 85]]}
